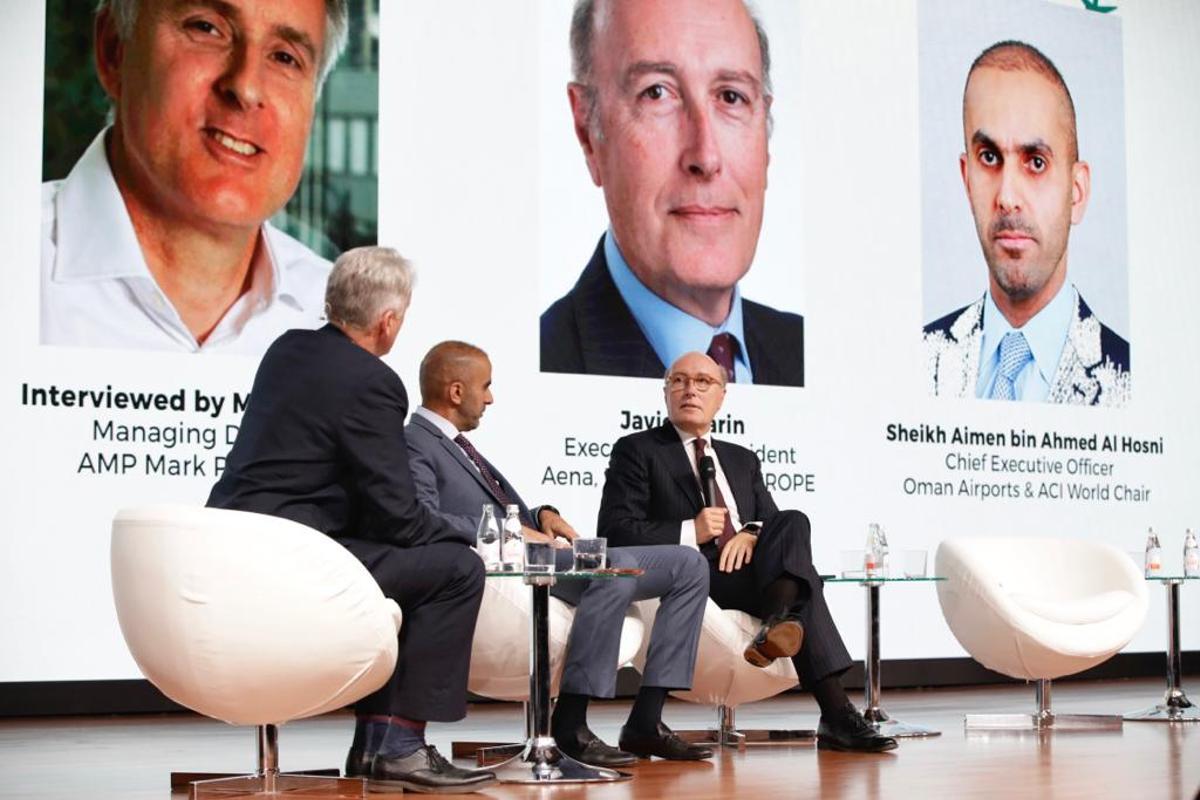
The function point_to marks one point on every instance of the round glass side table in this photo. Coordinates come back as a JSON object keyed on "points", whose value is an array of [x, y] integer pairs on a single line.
{"points": [[874, 711], [540, 761], [1175, 707]]}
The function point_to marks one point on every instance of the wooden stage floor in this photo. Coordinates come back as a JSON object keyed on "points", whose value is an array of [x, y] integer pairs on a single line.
{"points": [[128, 758]]}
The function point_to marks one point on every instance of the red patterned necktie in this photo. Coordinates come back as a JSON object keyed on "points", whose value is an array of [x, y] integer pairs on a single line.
{"points": [[727, 532], [721, 350], [482, 466]]}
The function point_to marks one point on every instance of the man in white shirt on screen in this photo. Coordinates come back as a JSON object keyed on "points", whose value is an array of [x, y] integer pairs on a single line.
{"points": [[158, 238], [1031, 337]]}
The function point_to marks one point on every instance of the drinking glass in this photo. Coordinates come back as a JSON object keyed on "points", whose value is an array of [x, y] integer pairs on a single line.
{"points": [[590, 553]]}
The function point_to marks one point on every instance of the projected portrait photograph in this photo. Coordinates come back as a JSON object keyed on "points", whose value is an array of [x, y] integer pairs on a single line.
{"points": [[656, 207], [1025, 280], [203, 163]]}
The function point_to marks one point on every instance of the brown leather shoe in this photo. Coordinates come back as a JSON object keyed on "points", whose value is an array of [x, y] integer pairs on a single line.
{"points": [[781, 636]]}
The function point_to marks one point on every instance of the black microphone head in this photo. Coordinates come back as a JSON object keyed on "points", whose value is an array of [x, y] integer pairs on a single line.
{"points": [[706, 467]]}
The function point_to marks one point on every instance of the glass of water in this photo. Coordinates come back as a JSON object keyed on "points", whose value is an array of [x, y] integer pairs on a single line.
{"points": [[539, 557], [590, 554]]}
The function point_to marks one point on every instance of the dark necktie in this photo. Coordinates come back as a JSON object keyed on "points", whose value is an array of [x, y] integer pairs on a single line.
{"points": [[721, 350], [727, 532], [482, 466]]}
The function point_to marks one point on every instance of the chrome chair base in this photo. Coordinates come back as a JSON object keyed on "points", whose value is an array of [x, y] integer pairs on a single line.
{"points": [[1043, 722], [1043, 719], [727, 734], [277, 786]]}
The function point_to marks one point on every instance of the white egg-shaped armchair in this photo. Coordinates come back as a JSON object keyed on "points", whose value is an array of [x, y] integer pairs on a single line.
{"points": [[250, 619], [724, 679], [1038, 609]]}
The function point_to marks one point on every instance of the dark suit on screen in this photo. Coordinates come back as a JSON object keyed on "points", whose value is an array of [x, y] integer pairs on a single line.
{"points": [[450, 485], [650, 489], [322, 443], [591, 331]]}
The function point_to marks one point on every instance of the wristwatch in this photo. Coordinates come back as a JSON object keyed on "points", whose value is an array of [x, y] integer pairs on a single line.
{"points": [[752, 528]]}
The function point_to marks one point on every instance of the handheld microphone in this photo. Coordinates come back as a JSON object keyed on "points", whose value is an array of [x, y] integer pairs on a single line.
{"points": [[708, 480]]}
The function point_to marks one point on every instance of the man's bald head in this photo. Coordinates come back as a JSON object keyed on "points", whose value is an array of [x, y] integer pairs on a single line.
{"points": [[1015, 56], [694, 390], [456, 380]]}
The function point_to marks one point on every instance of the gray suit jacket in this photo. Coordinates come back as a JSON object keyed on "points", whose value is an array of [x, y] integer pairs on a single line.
{"points": [[448, 484]]}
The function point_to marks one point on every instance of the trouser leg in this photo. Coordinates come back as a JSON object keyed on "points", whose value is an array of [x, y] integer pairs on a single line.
{"points": [[439, 588], [593, 645], [784, 549], [679, 577]]}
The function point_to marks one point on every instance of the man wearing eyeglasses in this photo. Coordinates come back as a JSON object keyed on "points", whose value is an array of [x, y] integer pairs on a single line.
{"points": [[760, 558]]}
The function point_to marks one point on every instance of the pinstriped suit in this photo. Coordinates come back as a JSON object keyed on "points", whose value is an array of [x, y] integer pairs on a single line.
{"points": [[649, 489], [591, 331]]}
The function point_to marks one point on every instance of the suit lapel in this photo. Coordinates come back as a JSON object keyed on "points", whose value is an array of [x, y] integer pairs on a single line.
{"points": [[610, 340], [678, 466], [457, 454]]}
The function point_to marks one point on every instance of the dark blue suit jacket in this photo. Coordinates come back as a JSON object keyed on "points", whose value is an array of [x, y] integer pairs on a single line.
{"points": [[649, 488], [590, 330], [322, 443]]}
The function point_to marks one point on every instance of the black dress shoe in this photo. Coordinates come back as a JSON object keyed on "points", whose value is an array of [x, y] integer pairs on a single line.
{"points": [[663, 742], [425, 771], [358, 764], [780, 636], [583, 745], [849, 731]]}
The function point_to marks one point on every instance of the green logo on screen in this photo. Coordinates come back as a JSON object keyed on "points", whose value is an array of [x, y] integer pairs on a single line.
{"points": [[1094, 5]]}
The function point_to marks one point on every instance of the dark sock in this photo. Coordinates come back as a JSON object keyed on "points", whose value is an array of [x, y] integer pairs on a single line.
{"points": [[570, 713], [781, 595], [831, 697], [647, 709], [402, 737], [369, 730]]}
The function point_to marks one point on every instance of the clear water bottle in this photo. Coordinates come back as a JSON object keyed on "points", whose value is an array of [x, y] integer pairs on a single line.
{"points": [[872, 552], [487, 539], [1153, 555], [884, 560], [1191, 555], [512, 549]]}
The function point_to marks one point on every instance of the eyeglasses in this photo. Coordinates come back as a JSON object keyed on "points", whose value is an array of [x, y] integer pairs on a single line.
{"points": [[678, 381]]}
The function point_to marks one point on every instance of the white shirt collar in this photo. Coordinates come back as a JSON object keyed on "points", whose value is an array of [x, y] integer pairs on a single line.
{"points": [[96, 239], [448, 429]]}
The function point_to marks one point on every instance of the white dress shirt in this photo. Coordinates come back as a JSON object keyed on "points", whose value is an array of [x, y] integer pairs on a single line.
{"points": [[96, 290], [687, 528]]}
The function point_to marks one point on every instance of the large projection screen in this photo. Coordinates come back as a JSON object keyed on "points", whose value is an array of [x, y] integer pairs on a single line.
{"points": [[867, 233]]}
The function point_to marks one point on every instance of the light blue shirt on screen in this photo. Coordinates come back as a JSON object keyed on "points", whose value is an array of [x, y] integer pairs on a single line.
{"points": [[1046, 335], [671, 331]]}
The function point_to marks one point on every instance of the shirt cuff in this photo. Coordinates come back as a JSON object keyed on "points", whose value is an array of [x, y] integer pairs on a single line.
{"points": [[687, 534]]}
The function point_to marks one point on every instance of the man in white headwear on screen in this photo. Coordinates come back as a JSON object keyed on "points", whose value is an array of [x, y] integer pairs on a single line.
{"points": [[158, 238], [1031, 337]]}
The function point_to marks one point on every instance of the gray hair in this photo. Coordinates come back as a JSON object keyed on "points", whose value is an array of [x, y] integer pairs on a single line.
{"points": [[583, 30], [125, 12], [366, 282]]}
